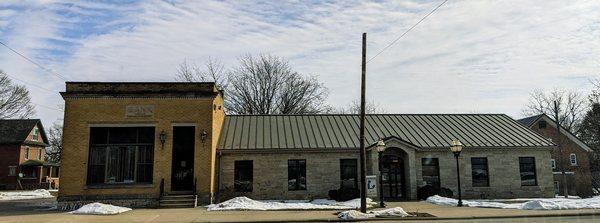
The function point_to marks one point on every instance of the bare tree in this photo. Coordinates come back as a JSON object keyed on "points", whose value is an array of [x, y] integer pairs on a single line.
{"points": [[213, 71], [354, 108], [264, 84], [571, 106], [55, 140], [594, 97], [14, 99]]}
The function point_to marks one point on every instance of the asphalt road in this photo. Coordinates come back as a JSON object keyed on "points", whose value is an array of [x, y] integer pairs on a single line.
{"points": [[570, 219], [9, 207]]}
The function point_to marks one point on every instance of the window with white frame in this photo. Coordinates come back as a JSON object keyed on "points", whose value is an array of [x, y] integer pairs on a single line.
{"points": [[573, 159], [26, 152], [12, 171], [34, 134], [553, 163]]}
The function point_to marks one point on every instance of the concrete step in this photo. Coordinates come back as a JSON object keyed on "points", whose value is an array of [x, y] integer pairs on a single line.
{"points": [[177, 201], [191, 205], [190, 196]]}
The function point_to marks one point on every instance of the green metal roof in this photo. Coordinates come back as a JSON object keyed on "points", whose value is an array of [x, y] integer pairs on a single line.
{"points": [[324, 131]]}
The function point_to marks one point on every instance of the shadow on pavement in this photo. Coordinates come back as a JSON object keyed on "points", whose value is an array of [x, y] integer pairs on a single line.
{"points": [[28, 207]]}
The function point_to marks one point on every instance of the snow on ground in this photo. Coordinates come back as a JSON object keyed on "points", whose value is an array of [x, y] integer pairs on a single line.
{"points": [[24, 195], [100, 209], [390, 212], [244, 203], [523, 203]]}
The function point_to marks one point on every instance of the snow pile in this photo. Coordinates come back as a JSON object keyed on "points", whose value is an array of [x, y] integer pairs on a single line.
{"points": [[390, 212], [100, 209], [244, 203], [24, 195], [525, 204], [354, 214]]}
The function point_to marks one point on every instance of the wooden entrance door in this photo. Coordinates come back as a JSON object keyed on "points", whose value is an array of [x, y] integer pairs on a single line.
{"points": [[182, 174]]}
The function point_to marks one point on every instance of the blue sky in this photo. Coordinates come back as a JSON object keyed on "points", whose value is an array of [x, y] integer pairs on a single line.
{"points": [[470, 56]]}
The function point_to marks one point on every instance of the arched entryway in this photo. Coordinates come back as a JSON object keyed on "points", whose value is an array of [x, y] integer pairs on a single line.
{"points": [[394, 178]]}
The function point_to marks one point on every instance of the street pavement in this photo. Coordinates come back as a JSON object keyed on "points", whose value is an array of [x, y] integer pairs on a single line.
{"points": [[27, 211]]}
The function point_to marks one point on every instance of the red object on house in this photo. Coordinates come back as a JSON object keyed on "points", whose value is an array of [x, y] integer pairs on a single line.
{"points": [[22, 156]]}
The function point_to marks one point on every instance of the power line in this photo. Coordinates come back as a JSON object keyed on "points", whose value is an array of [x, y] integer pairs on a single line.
{"points": [[33, 62], [31, 84], [40, 87], [408, 30], [48, 107]]}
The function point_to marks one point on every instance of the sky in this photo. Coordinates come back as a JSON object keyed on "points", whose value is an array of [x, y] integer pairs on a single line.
{"points": [[470, 56]]}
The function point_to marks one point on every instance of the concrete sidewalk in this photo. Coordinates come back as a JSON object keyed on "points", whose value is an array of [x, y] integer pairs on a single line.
{"points": [[201, 215]]}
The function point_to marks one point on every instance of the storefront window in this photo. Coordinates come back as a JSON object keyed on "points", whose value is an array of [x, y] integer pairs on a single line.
{"points": [[121, 155]]}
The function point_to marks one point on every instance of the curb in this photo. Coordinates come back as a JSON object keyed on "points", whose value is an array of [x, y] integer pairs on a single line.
{"points": [[438, 218]]}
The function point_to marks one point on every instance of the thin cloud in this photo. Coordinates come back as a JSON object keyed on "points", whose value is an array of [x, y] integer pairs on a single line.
{"points": [[480, 56]]}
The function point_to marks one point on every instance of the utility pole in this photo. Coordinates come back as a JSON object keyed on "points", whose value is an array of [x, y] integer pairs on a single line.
{"points": [[363, 151], [561, 159]]}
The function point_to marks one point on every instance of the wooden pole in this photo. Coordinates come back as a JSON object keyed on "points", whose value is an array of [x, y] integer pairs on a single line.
{"points": [[363, 152], [561, 159]]}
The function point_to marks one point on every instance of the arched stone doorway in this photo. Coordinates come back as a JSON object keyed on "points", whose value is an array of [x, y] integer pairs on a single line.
{"points": [[393, 177], [400, 173], [395, 174]]}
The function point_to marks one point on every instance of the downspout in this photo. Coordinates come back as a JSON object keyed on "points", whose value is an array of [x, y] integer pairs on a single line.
{"points": [[219, 154]]}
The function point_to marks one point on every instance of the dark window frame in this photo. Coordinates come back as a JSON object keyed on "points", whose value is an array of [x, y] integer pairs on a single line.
{"points": [[297, 172], [542, 124], [26, 156], [524, 163], [135, 168], [239, 175], [424, 163], [349, 163], [485, 167]]}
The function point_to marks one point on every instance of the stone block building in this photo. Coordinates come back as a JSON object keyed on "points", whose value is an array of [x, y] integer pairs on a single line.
{"points": [[573, 158], [258, 155], [137, 144]]}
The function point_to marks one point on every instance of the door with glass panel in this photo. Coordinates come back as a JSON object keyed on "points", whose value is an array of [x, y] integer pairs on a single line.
{"points": [[392, 170]]}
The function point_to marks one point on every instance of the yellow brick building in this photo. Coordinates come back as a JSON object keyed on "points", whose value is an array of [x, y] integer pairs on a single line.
{"points": [[146, 139]]}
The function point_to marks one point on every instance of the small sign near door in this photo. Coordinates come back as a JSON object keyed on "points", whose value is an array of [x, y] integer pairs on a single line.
{"points": [[372, 186]]}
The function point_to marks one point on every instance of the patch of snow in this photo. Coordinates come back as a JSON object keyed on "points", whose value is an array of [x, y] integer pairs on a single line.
{"points": [[529, 204], [244, 203], [354, 214], [24, 195], [100, 209], [390, 212], [570, 197]]}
